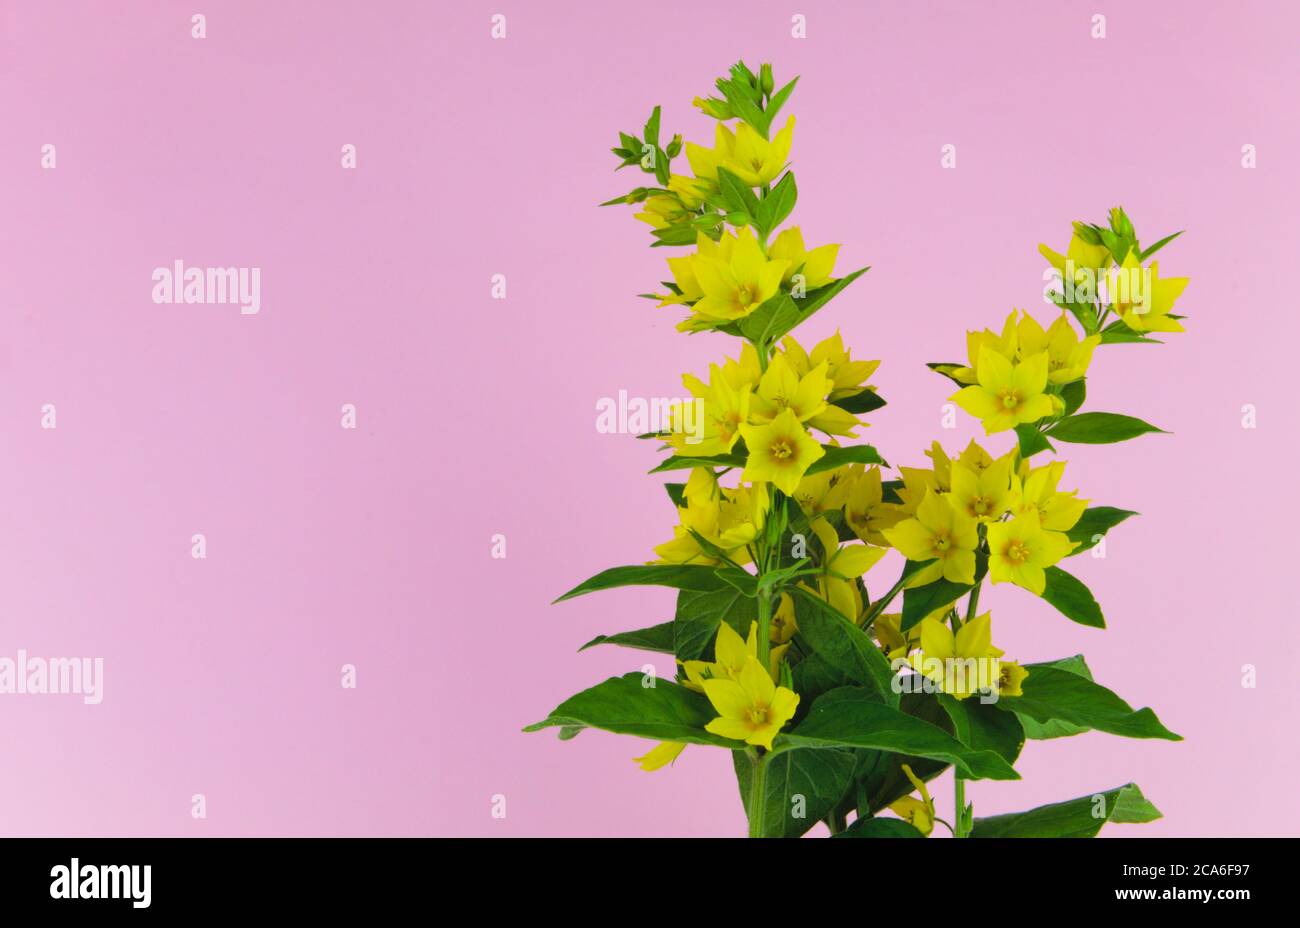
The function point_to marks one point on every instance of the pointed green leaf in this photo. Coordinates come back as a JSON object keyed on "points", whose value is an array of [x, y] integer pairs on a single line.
{"points": [[843, 645], [627, 706], [678, 576], [839, 456], [1099, 428], [1072, 598], [1050, 693], [655, 638], [1095, 522], [853, 717], [1074, 818]]}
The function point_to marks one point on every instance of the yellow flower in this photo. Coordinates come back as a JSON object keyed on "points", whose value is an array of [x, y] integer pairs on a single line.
{"points": [[784, 625], [1020, 550], [1010, 676], [975, 458], [780, 452], [916, 483], [1141, 298], [940, 533], [781, 388], [687, 190], [1081, 261], [892, 639], [841, 566], [661, 755], [662, 211], [745, 372], [962, 664], [751, 708], [1057, 511], [754, 159], [919, 813], [726, 408], [1067, 357], [727, 518], [735, 281], [816, 266], [824, 492], [704, 161], [864, 512], [942, 467], [846, 375], [1007, 395], [983, 496], [1005, 345], [730, 653], [683, 268]]}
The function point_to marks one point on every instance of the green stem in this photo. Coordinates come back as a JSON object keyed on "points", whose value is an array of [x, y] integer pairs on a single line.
{"points": [[881, 604], [959, 799], [757, 795], [758, 782], [974, 600]]}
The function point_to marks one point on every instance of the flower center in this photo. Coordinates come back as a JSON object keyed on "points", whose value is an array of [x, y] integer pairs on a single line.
{"points": [[981, 505], [758, 714], [1017, 552], [782, 450], [1010, 399], [747, 295], [941, 544]]}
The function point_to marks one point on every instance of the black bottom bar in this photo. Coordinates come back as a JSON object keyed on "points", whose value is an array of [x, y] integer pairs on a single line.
{"points": [[379, 875]]}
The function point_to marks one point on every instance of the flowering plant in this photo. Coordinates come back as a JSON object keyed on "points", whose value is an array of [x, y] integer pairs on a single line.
{"points": [[833, 707]]}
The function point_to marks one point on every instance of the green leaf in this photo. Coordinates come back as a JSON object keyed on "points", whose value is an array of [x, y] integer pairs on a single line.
{"points": [[1050, 693], [945, 368], [1095, 522], [814, 300], [655, 638], [678, 576], [684, 462], [1074, 818], [1118, 333], [1031, 440], [676, 493], [773, 318], [681, 234], [879, 777], [741, 580], [651, 132], [626, 706], [860, 402], [880, 828], [853, 717], [922, 600], [774, 103], [1074, 393], [1099, 428], [1158, 245], [802, 787], [1072, 598], [844, 646], [736, 194], [838, 457], [699, 612], [1056, 728], [778, 203], [981, 726]]}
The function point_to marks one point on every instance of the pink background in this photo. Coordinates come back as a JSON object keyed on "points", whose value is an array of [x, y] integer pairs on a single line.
{"points": [[480, 156]]}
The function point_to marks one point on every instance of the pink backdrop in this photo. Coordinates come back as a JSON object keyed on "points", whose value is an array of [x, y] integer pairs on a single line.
{"points": [[476, 416]]}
